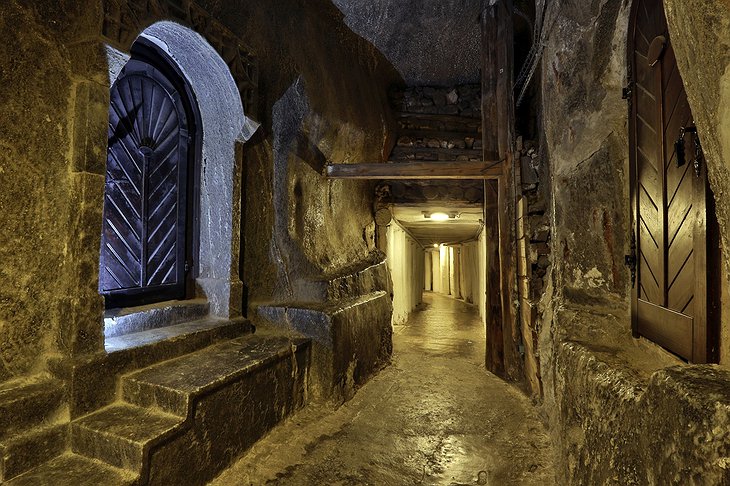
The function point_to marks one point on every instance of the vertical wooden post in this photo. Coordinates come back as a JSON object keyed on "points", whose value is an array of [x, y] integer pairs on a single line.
{"points": [[495, 341], [498, 132], [494, 357]]}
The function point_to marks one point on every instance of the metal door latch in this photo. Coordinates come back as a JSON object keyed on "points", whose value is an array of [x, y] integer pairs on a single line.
{"points": [[679, 147], [630, 259], [627, 91]]}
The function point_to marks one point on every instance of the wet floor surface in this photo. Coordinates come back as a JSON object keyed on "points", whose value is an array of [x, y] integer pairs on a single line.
{"points": [[434, 417]]}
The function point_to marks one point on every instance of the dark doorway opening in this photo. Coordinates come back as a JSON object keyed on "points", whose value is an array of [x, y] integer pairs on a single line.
{"points": [[150, 191]]}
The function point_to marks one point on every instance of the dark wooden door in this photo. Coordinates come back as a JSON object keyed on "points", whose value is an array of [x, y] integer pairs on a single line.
{"points": [[143, 250], [669, 192]]}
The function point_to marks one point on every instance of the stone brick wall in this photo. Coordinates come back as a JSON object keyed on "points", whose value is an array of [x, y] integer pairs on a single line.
{"points": [[437, 123], [464, 100]]}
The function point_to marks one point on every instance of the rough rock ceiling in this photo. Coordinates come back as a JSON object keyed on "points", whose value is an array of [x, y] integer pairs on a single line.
{"points": [[428, 232], [430, 42]]}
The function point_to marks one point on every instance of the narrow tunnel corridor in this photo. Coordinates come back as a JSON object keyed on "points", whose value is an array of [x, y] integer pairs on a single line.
{"points": [[352, 242], [434, 417]]}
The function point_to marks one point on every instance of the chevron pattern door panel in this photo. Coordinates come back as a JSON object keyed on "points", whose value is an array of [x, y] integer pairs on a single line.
{"points": [[668, 195], [143, 241]]}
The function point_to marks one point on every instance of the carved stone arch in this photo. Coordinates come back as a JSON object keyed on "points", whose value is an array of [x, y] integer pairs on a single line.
{"points": [[125, 19], [223, 126]]}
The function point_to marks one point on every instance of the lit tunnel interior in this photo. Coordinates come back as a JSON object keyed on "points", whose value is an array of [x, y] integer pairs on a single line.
{"points": [[436, 247]]}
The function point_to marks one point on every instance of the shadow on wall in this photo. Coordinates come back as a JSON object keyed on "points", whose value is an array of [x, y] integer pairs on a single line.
{"points": [[323, 98], [430, 42]]}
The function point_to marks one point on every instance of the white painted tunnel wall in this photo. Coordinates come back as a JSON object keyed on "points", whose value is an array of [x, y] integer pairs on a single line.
{"points": [[406, 261], [444, 271], [459, 271], [427, 265]]}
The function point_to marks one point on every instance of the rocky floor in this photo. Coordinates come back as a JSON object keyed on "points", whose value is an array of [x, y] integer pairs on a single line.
{"points": [[435, 417]]}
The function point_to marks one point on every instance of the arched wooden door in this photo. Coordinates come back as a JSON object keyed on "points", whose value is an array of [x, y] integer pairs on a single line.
{"points": [[144, 241], [669, 196]]}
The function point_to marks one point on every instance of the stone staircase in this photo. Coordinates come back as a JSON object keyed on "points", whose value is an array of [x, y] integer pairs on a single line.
{"points": [[187, 400], [33, 423]]}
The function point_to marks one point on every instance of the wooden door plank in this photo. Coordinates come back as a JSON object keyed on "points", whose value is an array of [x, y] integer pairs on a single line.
{"points": [[667, 328], [682, 288], [649, 282]]}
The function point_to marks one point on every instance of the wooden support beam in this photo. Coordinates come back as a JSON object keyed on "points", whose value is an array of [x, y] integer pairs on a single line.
{"points": [[498, 122], [417, 170]]}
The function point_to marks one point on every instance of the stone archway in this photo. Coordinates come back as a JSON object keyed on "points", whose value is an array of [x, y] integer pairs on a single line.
{"points": [[222, 123]]}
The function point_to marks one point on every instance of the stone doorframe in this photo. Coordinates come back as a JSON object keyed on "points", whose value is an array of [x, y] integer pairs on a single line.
{"points": [[224, 127]]}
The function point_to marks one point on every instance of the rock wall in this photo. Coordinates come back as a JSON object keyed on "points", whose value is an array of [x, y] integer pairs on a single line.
{"points": [[429, 41], [42, 174], [322, 97], [622, 410], [463, 100]]}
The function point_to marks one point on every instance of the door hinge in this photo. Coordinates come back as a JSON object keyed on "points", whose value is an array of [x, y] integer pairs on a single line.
{"points": [[187, 267], [630, 259]]}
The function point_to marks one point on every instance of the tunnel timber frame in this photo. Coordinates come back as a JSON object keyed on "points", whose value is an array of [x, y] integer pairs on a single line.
{"points": [[497, 170]]}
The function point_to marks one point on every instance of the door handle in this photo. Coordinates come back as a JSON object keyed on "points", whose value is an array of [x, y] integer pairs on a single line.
{"points": [[679, 145]]}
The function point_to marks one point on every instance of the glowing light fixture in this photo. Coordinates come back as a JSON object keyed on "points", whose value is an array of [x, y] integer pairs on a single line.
{"points": [[440, 216], [435, 245]]}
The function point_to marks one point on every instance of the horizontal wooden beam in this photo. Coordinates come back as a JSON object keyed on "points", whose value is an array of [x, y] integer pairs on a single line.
{"points": [[417, 170]]}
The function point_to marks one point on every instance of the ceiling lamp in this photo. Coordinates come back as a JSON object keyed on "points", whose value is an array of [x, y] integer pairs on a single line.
{"points": [[440, 216]]}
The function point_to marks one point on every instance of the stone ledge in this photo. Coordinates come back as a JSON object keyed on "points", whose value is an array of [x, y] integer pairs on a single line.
{"points": [[352, 339], [359, 279], [629, 413], [119, 322], [92, 378]]}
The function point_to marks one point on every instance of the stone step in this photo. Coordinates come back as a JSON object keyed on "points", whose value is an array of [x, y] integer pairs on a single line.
{"points": [[224, 398], [125, 354], [203, 330], [29, 402], [121, 434], [72, 469], [23, 452], [173, 385], [118, 322]]}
